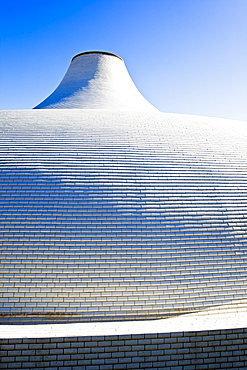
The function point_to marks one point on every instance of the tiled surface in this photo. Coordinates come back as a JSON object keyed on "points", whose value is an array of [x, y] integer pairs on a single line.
{"points": [[120, 215], [97, 81], [219, 349]]}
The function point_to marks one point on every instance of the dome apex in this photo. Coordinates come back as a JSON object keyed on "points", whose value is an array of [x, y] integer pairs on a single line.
{"points": [[97, 80]]}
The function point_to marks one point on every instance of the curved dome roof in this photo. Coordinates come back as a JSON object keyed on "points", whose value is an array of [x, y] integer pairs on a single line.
{"points": [[96, 80], [112, 214]]}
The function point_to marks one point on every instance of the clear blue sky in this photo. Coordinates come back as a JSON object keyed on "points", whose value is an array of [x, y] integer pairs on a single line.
{"points": [[185, 56]]}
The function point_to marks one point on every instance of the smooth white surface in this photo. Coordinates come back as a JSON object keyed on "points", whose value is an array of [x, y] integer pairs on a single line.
{"points": [[96, 81], [224, 317]]}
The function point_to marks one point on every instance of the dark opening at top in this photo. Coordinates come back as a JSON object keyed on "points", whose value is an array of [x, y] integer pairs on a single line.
{"points": [[96, 52]]}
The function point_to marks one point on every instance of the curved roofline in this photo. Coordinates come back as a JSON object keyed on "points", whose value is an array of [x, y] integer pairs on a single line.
{"points": [[96, 52]]}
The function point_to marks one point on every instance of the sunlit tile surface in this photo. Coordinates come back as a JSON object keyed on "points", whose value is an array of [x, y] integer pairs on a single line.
{"points": [[117, 215]]}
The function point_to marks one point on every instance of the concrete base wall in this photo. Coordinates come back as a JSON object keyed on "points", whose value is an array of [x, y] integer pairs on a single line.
{"points": [[218, 349]]}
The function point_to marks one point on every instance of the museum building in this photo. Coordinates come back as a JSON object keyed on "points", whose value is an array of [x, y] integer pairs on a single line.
{"points": [[116, 214]]}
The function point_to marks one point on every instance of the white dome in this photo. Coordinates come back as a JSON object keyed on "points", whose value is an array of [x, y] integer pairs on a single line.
{"points": [[96, 80], [110, 214], [121, 215]]}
